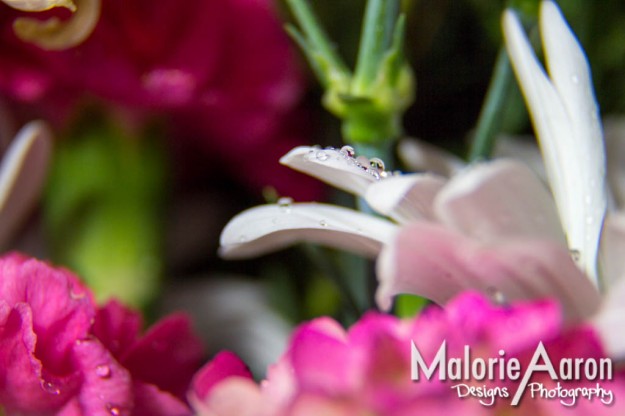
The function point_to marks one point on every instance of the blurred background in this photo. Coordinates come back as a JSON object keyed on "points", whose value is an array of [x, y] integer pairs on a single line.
{"points": [[169, 119]]}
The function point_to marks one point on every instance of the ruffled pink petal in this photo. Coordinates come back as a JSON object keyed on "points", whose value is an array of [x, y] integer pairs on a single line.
{"points": [[167, 356], [150, 401], [106, 385], [225, 364], [438, 263], [25, 385], [321, 359], [117, 327]]}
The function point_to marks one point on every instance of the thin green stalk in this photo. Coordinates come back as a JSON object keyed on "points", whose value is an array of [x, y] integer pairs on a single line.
{"points": [[377, 32], [489, 122]]}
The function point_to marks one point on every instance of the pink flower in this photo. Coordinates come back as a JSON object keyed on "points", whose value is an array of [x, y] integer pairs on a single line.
{"points": [[59, 355], [224, 72], [367, 369]]}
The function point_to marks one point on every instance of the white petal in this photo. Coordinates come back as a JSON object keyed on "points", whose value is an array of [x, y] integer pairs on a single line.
{"points": [[496, 200], [332, 167], [610, 321], [612, 250], [267, 228], [420, 156], [39, 5], [22, 175], [406, 197], [574, 162]]}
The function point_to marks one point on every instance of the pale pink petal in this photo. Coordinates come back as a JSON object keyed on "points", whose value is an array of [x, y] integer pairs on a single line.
{"points": [[333, 167], [405, 198], [22, 176], [438, 263], [420, 156], [267, 228], [233, 396], [610, 321], [493, 201], [612, 249]]}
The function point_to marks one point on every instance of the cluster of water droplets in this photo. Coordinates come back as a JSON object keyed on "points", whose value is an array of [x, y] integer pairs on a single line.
{"points": [[374, 166]]}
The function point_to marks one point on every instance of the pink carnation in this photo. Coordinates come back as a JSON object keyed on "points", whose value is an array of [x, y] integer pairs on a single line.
{"points": [[367, 369], [59, 355]]}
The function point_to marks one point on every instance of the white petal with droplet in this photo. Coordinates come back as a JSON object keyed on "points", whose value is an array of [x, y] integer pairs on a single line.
{"points": [[569, 132], [332, 166], [267, 228]]}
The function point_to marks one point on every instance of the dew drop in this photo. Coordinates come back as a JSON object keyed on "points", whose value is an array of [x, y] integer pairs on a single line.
{"points": [[50, 387], [103, 371], [588, 199], [285, 202], [496, 296], [348, 151], [575, 254], [77, 295], [323, 223], [242, 238], [590, 220], [114, 409], [322, 156], [377, 163], [574, 79], [275, 220]]}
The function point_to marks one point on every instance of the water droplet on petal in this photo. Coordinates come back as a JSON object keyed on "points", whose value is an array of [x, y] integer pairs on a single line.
{"points": [[590, 220], [496, 296], [348, 151], [103, 371], [377, 164], [50, 387], [575, 254], [242, 238], [285, 201], [323, 223], [114, 409], [76, 295], [574, 79], [275, 220], [322, 156]]}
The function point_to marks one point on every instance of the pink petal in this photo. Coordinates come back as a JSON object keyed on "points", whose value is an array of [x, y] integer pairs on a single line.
{"points": [[167, 356], [225, 364], [497, 200], [25, 385], [117, 327], [150, 401], [106, 386], [437, 263], [234, 396]]}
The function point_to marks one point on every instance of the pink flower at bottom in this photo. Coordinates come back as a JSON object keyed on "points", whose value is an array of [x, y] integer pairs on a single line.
{"points": [[366, 370], [59, 355]]}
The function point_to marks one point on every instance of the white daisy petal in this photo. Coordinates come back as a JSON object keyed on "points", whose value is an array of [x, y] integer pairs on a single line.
{"points": [[407, 197], [39, 5], [22, 175], [267, 228], [574, 161], [498, 200], [332, 166], [420, 156]]}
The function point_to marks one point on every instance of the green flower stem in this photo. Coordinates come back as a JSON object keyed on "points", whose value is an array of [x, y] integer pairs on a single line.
{"points": [[489, 122], [375, 39]]}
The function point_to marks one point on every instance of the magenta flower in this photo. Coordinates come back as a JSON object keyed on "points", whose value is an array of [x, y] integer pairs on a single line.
{"points": [[59, 355], [367, 369], [223, 71]]}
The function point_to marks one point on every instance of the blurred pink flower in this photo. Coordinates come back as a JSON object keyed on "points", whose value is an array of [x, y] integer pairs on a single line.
{"points": [[224, 71], [367, 369], [59, 355]]}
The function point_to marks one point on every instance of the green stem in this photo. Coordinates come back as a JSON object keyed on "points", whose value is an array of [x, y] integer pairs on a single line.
{"points": [[377, 32], [490, 118]]}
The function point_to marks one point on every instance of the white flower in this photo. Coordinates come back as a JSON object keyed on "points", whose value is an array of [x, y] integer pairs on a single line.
{"points": [[22, 176]]}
